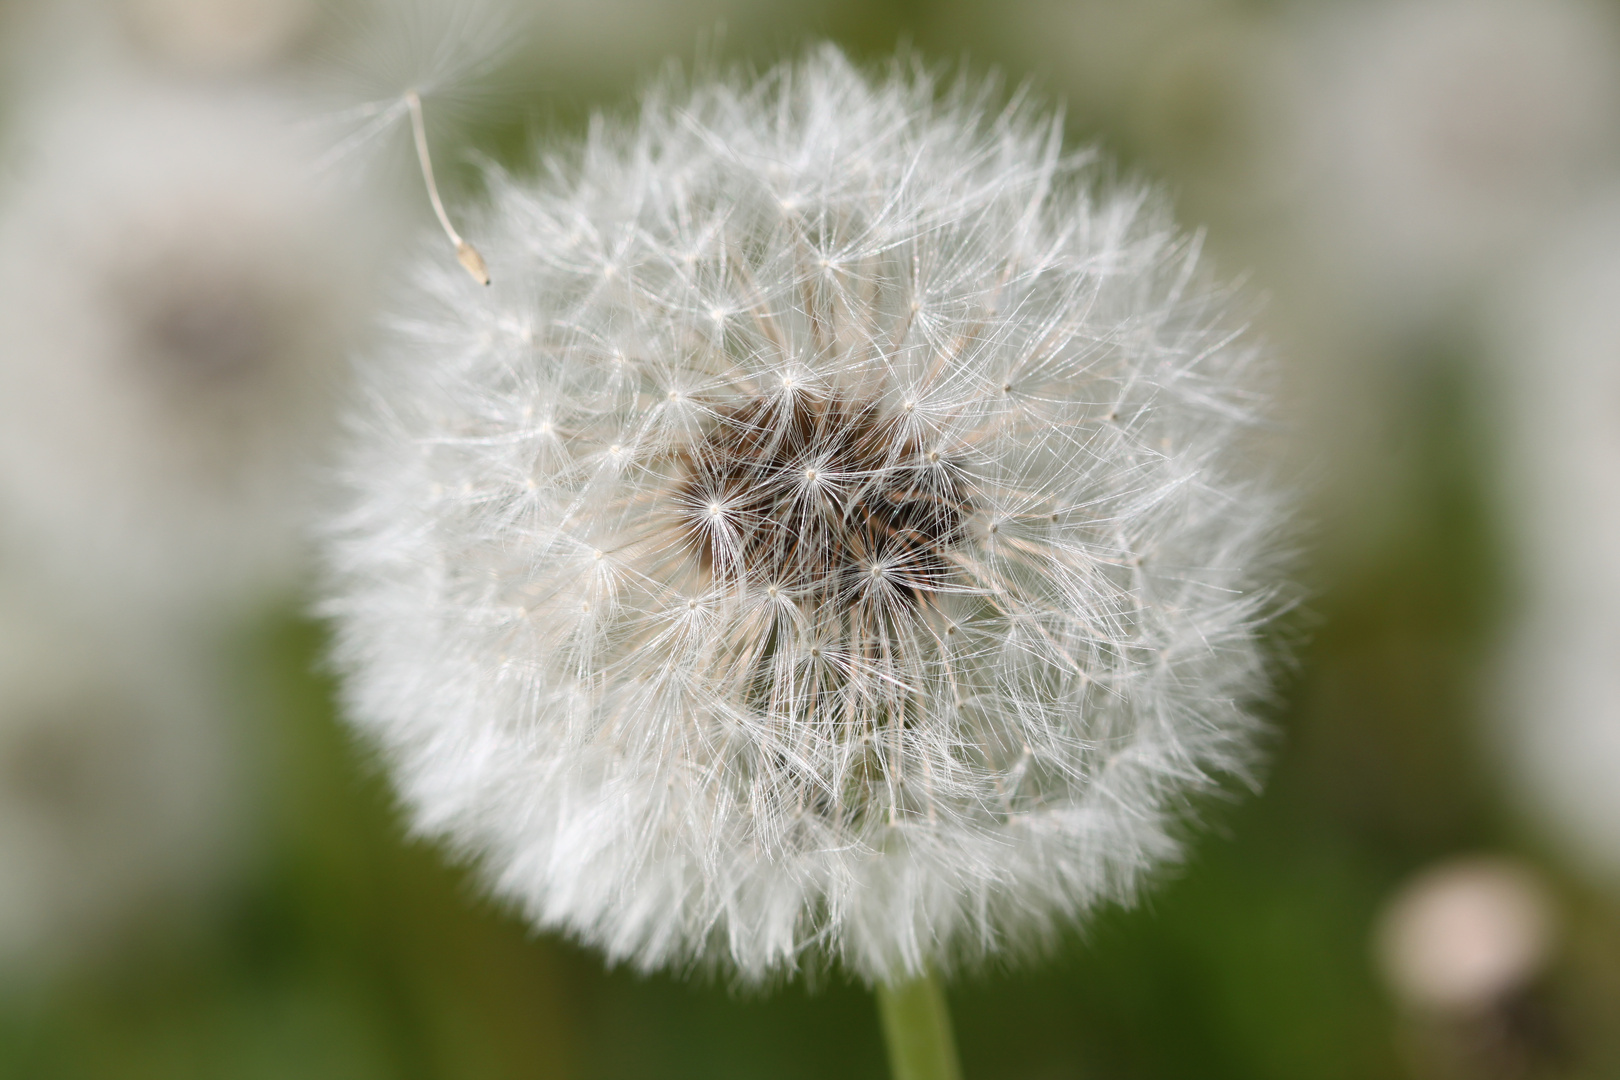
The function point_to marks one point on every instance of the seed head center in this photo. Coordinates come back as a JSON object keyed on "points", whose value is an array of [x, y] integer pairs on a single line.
{"points": [[820, 491]]}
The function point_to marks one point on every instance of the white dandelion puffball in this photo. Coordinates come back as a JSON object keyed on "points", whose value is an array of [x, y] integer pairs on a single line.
{"points": [[1445, 133], [177, 294], [219, 36], [1557, 416], [828, 537], [1464, 934]]}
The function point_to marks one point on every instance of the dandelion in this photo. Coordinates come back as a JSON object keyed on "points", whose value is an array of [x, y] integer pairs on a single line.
{"points": [[827, 539], [1465, 947], [218, 37], [176, 296], [1555, 684], [1441, 135], [1465, 934]]}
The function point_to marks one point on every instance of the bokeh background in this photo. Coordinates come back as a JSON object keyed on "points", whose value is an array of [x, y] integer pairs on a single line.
{"points": [[201, 874]]}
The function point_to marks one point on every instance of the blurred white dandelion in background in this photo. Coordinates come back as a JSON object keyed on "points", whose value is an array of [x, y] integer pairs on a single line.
{"points": [[219, 36], [832, 534], [1427, 147], [1466, 948], [1464, 934], [1440, 134], [1556, 687], [210, 43], [176, 295]]}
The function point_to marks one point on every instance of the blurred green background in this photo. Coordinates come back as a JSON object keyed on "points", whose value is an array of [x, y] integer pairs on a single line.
{"points": [[344, 950]]}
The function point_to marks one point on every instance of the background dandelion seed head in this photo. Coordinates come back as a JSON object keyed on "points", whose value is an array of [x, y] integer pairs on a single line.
{"points": [[177, 295]]}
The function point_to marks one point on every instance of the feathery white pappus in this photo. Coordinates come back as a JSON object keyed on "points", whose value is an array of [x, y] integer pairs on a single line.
{"points": [[828, 538]]}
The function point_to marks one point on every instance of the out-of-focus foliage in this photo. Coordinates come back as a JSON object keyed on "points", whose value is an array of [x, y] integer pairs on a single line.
{"points": [[1413, 299]]}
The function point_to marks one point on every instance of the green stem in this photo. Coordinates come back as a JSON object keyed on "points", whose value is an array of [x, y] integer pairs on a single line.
{"points": [[917, 1027]]}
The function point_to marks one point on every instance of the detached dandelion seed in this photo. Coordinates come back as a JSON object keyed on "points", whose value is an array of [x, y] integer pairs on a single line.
{"points": [[931, 574], [466, 254]]}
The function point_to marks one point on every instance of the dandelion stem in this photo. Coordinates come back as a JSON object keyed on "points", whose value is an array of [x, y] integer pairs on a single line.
{"points": [[917, 1028], [465, 252]]}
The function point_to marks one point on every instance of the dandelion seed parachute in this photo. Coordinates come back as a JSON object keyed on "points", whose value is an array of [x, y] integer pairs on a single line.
{"points": [[829, 538]]}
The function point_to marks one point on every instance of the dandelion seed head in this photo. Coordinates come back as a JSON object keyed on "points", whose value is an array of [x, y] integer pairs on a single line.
{"points": [[1463, 935], [220, 36], [1444, 135], [176, 298], [810, 708], [1554, 684]]}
